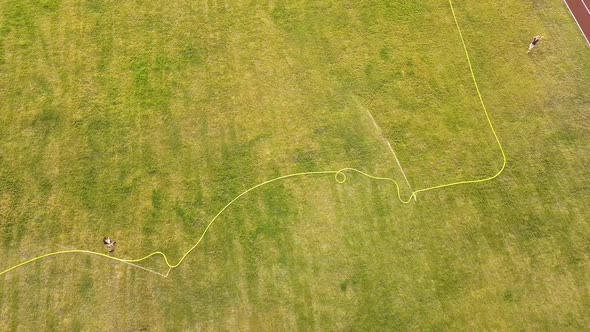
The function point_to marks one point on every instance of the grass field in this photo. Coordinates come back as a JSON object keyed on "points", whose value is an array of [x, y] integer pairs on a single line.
{"points": [[142, 120]]}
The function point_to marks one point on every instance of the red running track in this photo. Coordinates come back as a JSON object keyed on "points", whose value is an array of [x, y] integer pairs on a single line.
{"points": [[580, 10]]}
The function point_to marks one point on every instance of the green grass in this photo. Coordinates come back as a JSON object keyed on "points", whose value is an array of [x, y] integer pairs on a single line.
{"points": [[141, 121]]}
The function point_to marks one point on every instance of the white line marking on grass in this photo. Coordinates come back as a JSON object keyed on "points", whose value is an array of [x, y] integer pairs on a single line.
{"points": [[370, 115], [146, 269], [388, 144], [400, 167]]}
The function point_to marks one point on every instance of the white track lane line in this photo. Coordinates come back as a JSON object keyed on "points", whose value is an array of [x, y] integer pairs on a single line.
{"points": [[576, 20]]}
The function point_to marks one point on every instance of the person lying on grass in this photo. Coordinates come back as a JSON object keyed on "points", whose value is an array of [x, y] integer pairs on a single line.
{"points": [[109, 243], [534, 42]]}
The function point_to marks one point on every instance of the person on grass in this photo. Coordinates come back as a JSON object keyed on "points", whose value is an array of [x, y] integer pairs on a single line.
{"points": [[534, 43], [109, 243]]}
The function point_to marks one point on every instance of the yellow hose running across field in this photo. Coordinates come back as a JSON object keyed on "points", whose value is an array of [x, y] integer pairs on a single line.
{"points": [[339, 176]]}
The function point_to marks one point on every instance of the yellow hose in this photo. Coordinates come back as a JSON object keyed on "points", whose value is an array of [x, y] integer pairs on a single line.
{"points": [[339, 176]]}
